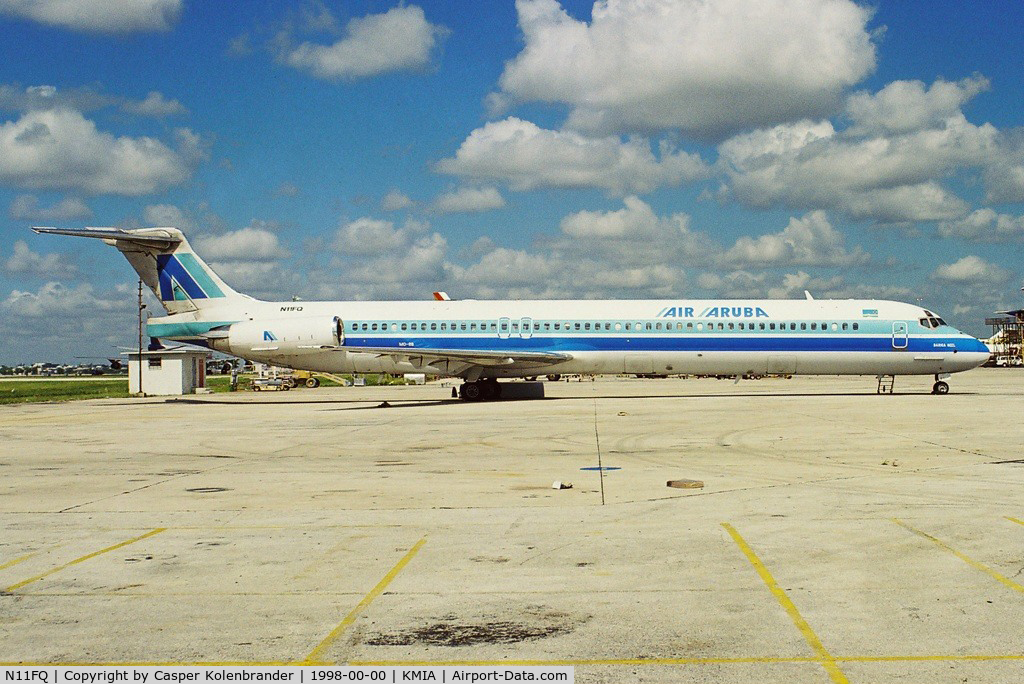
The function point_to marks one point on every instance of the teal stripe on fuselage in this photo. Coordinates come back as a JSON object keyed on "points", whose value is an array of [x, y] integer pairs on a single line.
{"points": [[180, 330]]}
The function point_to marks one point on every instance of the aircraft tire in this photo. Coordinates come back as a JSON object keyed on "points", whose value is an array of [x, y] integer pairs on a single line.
{"points": [[940, 387], [471, 391]]}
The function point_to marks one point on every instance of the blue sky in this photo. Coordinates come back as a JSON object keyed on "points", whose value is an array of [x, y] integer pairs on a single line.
{"points": [[373, 149]]}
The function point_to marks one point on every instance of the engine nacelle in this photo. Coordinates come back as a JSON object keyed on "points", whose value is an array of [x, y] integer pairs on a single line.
{"points": [[281, 336]]}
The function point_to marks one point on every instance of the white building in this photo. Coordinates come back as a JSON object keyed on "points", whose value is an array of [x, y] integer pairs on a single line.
{"points": [[167, 371]]}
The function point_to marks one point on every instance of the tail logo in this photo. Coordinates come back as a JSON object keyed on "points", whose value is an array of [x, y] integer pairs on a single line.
{"points": [[182, 277], [269, 336]]}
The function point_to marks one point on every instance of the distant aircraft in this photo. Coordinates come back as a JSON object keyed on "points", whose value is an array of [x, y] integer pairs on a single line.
{"points": [[482, 341]]}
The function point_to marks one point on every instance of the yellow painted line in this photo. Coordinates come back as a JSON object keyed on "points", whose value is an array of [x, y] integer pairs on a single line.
{"points": [[18, 560], [930, 658], [315, 654], [826, 659], [49, 572], [1019, 522], [1002, 579]]}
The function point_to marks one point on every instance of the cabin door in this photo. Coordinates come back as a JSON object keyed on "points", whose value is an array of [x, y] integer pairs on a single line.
{"points": [[899, 335]]}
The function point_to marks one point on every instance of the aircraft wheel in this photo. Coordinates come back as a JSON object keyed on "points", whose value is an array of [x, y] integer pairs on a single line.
{"points": [[312, 382], [554, 377], [490, 390], [940, 387], [471, 391]]}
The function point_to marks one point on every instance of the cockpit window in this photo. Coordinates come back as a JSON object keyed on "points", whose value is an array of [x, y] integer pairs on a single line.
{"points": [[938, 322], [925, 322]]}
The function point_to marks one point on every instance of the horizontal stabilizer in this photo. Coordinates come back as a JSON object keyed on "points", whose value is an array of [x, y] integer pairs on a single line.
{"points": [[150, 236]]}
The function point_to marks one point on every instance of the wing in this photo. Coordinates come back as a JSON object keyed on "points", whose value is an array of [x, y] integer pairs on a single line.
{"points": [[423, 357]]}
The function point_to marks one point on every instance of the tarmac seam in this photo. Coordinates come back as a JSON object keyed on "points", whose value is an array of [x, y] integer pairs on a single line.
{"points": [[313, 657], [826, 659], [1002, 579], [84, 558]]}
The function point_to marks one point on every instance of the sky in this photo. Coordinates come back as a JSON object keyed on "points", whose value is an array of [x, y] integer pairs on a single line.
{"points": [[376, 149]]}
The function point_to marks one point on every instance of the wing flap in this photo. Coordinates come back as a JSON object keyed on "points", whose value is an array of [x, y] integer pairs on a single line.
{"points": [[476, 357]]}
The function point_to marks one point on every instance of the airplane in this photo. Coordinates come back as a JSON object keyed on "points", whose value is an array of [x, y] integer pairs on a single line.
{"points": [[484, 341]]}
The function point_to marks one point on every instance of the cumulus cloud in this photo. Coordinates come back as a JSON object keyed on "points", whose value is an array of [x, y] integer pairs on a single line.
{"points": [[61, 149], [102, 16], [401, 39], [250, 244], [466, 200], [635, 220], [169, 216], [888, 177], [55, 299], [705, 68], [526, 156], [807, 241], [26, 208], [985, 225], [905, 106], [367, 236], [971, 270], [155, 105], [396, 200], [26, 262]]}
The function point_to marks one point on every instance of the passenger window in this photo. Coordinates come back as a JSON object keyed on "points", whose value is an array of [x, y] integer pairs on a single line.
{"points": [[845, 326], [587, 326], [658, 326], [443, 327], [835, 327], [771, 326], [373, 327], [803, 326], [577, 326], [558, 326], [650, 327], [856, 326], [405, 326], [689, 326], [433, 326], [761, 325], [627, 326], [394, 326], [731, 326], [547, 326], [618, 326], [607, 326], [814, 326], [792, 326], [515, 327]]}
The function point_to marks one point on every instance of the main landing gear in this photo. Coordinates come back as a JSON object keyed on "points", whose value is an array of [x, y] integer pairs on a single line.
{"points": [[480, 390], [940, 386]]}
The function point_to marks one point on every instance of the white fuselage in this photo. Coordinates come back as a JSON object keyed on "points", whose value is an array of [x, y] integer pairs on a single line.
{"points": [[727, 337]]}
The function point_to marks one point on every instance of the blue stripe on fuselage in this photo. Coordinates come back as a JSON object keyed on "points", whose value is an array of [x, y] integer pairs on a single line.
{"points": [[732, 343]]}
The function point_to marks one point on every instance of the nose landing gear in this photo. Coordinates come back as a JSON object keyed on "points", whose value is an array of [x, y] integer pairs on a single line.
{"points": [[940, 386]]}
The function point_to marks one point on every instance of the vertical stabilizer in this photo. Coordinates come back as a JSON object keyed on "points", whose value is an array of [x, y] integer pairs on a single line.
{"points": [[165, 261]]}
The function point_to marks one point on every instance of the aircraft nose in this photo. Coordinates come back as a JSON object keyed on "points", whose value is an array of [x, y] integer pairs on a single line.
{"points": [[972, 352]]}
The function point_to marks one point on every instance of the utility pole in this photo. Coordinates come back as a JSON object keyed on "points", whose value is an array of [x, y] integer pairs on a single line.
{"points": [[142, 306]]}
